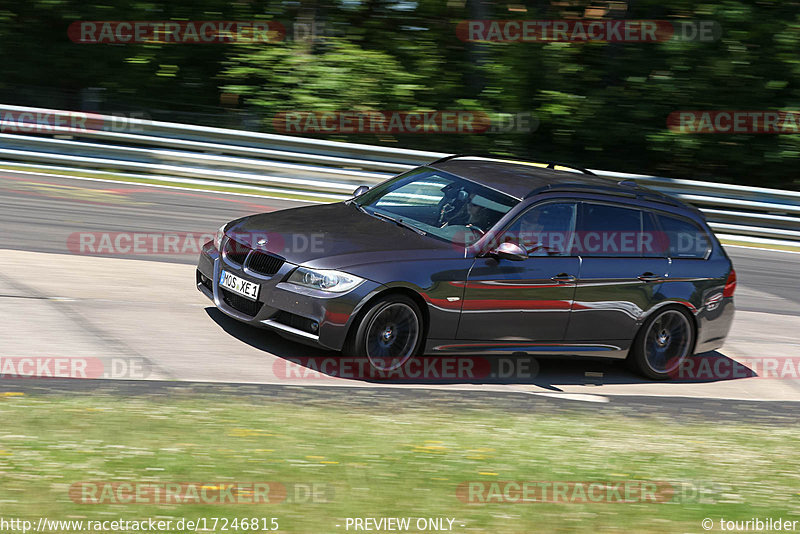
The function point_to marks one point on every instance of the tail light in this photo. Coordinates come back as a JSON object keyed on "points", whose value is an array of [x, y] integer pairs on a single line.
{"points": [[730, 285]]}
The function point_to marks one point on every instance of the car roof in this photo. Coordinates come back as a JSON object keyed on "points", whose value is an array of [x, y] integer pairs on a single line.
{"points": [[523, 179]]}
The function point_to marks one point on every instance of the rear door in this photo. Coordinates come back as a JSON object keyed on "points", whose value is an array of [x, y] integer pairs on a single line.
{"points": [[690, 275], [623, 267], [527, 300]]}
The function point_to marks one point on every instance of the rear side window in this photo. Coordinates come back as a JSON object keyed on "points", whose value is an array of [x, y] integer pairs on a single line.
{"points": [[614, 231], [685, 238]]}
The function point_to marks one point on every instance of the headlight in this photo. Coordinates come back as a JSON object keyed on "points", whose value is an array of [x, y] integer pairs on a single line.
{"points": [[324, 280], [219, 236]]}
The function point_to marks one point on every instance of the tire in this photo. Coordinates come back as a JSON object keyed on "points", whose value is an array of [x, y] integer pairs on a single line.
{"points": [[664, 341], [388, 334]]}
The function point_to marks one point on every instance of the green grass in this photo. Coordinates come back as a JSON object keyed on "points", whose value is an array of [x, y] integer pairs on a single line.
{"points": [[292, 195], [210, 186], [390, 458], [761, 245]]}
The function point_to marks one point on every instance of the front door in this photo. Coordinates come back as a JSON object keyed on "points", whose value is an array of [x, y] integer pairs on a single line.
{"points": [[531, 299]]}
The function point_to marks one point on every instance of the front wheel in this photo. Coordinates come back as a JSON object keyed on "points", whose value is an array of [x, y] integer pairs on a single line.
{"points": [[388, 334], [665, 340]]}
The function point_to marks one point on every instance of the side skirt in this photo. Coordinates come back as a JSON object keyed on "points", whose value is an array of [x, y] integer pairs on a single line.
{"points": [[608, 349]]}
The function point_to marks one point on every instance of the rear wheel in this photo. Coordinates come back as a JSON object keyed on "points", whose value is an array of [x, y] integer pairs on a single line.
{"points": [[388, 334], [662, 344]]}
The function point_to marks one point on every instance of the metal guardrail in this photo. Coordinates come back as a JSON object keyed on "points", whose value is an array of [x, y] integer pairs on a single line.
{"points": [[310, 165]]}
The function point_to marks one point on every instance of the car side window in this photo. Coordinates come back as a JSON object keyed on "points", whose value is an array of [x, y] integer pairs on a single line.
{"points": [[617, 232], [545, 229], [685, 239]]}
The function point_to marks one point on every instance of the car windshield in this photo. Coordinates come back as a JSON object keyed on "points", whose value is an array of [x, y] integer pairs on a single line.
{"points": [[438, 203]]}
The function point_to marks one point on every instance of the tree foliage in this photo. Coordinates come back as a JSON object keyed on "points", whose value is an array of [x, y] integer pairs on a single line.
{"points": [[600, 105]]}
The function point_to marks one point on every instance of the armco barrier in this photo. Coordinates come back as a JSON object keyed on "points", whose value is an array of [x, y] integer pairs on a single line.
{"points": [[317, 166]]}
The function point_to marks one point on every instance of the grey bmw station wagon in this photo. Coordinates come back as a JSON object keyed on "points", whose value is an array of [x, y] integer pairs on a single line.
{"points": [[473, 255]]}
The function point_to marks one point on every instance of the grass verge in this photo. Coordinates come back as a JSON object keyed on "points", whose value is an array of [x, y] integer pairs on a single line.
{"points": [[144, 180], [760, 245], [269, 192], [387, 460]]}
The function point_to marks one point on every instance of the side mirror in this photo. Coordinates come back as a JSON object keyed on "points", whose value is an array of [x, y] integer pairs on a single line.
{"points": [[510, 251], [360, 190]]}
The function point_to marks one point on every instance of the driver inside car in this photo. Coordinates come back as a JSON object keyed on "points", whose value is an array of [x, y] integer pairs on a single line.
{"points": [[478, 215], [547, 230], [467, 213]]}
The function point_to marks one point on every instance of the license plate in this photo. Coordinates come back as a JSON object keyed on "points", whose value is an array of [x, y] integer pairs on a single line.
{"points": [[240, 286]]}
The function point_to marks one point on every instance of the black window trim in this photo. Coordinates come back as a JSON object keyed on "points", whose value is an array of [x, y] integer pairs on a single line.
{"points": [[647, 210]]}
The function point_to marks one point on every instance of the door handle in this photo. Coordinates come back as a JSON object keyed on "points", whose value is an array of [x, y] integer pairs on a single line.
{"points": [[563, 278], [649, 277]]}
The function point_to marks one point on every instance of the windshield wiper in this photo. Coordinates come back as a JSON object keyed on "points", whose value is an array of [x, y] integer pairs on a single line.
{"points": [[398, 222]]}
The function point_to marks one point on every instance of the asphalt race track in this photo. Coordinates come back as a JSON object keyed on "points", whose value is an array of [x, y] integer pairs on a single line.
{"points": [[142, 312]]}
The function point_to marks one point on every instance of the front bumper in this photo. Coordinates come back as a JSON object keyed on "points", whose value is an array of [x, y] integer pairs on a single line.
{"points": [[300, 313]]}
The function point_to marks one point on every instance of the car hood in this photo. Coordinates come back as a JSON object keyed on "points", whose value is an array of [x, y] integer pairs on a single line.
{"points": [[336, 236]]}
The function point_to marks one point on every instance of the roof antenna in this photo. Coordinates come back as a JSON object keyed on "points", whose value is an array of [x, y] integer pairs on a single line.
{"points": [[628, 183]]}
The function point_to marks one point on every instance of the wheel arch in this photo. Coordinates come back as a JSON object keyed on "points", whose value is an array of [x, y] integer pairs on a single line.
{"points": [[687, 307], [395, 290]]}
